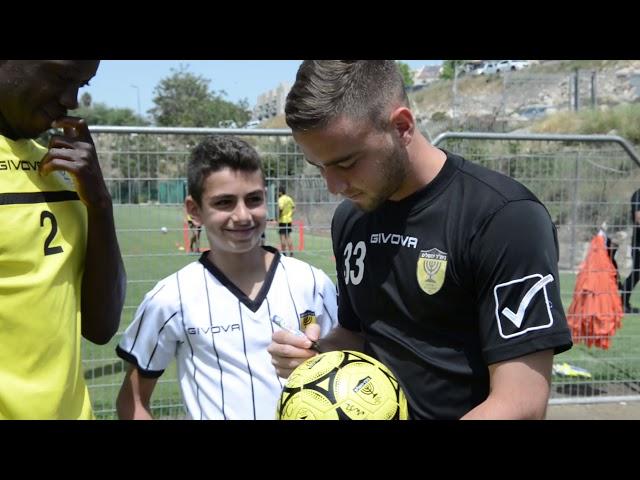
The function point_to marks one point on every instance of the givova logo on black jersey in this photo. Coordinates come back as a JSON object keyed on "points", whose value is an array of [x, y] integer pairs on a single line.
{"points": [[432, 265], [522, 305], [307, 318]]}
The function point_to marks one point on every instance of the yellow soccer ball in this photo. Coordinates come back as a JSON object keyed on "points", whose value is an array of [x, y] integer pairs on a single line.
{"points": [[342, 385]]}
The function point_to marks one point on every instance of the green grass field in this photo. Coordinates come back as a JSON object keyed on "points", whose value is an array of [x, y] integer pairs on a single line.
{"points": [[619, 365], [150, 255]]}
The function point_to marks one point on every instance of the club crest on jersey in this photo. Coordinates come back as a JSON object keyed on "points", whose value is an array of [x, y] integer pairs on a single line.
{"points": [[307, 318], [432, 265]]}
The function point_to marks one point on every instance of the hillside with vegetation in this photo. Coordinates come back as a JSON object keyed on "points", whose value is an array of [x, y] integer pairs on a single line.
{"points": [[540, 98], [623, 120]]}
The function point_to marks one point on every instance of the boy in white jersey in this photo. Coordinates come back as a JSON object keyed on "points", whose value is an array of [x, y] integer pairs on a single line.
{"points": [[215, 315]]}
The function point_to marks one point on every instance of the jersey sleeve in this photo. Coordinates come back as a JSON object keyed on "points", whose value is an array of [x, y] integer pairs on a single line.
{"points": [[346, 316], [150, 341], [326, 302], [515, 258]]}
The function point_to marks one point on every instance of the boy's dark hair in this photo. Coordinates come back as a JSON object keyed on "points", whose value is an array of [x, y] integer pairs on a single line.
{"points": [[282, 190], [215, 153], [326, 89]]}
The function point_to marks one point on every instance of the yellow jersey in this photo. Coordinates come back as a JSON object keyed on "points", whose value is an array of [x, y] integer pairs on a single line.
{"points": [[286, 206], [43, 238]]}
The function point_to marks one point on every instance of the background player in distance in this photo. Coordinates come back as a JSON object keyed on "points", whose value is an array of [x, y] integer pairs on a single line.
{"points": [[194, 234], [286, 207]]}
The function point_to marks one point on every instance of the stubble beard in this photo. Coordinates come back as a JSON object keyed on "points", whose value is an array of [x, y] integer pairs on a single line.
{"points": [[393, 172]]}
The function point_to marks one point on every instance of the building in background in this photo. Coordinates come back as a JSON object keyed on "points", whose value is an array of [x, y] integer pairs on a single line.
{"points": [[271, 103], [426, 75]]}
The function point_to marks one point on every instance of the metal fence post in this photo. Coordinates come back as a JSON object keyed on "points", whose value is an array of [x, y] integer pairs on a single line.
{"points": [[454, 88], [576, 90], [574, 214], [504, 93]]}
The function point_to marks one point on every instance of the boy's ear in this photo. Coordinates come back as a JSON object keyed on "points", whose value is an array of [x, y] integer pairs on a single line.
{"points": [[193, 209]]}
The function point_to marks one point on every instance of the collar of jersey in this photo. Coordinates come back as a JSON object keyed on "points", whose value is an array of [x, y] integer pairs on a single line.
{"points": [[424, 196], [252, 305], [22, 147]]}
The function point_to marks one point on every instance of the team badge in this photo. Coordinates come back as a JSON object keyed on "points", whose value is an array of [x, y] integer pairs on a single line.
{"points": [[432, 265], [307, 318]]}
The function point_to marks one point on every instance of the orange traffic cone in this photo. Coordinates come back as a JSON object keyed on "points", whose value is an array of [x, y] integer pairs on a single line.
{"points": [[596, 310]]}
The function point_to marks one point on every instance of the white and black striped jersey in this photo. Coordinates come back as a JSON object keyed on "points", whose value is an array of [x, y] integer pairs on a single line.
{"points": [[219, 336]]}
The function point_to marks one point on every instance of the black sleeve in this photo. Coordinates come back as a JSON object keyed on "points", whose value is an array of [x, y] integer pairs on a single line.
{"points": [[346, 316], [515, 264]]}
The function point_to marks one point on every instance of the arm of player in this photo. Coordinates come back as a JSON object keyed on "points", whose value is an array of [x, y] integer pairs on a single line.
{"points": [[288, 350], [135, 396], [341, 338], [519, 389], [104, 279]]}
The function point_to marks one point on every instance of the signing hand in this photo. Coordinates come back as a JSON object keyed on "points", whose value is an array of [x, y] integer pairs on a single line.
{"points": [[288, 350]]}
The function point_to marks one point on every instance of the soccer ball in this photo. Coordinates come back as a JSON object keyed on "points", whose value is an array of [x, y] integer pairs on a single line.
{"points": [[342, 385], [164, 229]]}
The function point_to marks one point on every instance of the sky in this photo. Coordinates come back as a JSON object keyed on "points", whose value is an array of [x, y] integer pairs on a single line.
{"points": [[125, 83]]}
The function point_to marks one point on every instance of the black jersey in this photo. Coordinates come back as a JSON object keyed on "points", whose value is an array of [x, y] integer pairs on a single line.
{"points": [[635, 206], [459, 275]]}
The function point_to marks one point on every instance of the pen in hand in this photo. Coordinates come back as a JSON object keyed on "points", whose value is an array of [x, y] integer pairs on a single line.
{"points": [[280, 322]]}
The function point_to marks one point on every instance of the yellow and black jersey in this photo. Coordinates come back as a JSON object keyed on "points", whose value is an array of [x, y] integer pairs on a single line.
{"points": [[43, 236], [286, 205]]}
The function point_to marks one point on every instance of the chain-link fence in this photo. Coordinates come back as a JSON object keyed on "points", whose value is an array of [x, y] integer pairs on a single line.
{"points": [[585, 181]]}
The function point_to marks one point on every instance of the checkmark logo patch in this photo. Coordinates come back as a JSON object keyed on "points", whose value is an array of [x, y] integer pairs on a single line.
{"points": [[515, 301]]}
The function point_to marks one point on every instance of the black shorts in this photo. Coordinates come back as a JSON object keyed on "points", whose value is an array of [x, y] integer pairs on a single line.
{"points": [[284, 228]]}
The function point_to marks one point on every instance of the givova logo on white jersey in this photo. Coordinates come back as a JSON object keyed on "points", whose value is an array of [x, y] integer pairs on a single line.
{"points": [[513, 300], [394, 239]]}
